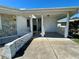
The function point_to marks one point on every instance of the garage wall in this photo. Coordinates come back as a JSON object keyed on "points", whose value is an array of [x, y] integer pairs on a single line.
{"points": [[50, 24], [21, 25]]}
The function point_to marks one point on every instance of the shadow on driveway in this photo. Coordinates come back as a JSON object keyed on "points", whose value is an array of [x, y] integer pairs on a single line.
{"points": [[1, 45], [21, 51]]}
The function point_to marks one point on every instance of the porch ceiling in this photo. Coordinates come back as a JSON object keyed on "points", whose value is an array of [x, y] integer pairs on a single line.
{"points": [[56, 15], [56, 12]]}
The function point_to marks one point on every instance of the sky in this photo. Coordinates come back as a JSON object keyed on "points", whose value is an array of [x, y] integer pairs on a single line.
{"points": [[39, 3]]}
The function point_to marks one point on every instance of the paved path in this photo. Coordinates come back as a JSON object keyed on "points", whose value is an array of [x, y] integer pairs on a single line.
{"points": [[51, 48]]}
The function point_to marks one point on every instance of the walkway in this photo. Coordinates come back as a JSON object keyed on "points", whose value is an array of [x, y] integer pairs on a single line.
{"points": [[51, 48]]}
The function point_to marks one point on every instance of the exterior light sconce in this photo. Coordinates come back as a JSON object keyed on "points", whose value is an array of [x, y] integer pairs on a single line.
{"points": [[48, 15]]}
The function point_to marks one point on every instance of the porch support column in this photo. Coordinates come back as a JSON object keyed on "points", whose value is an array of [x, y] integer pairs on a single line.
{"points": [[31, 24], [42, 27], [67, 25], [37, 24]]}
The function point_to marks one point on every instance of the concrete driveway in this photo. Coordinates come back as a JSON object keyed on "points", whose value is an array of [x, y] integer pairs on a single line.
{"points": [[51, 48]]}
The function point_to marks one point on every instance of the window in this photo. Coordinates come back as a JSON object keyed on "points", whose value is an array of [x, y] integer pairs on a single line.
{"points": [[28, 22]]}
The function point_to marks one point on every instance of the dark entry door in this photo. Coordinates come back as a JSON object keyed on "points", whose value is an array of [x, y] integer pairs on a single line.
{"points": [[36, 25]]}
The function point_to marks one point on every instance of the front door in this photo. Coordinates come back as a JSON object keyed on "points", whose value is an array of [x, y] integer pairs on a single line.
{"points": [[37, 26]]}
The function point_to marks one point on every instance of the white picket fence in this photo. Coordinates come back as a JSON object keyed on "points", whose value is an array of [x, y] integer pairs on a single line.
{"points": [[11, 48]]}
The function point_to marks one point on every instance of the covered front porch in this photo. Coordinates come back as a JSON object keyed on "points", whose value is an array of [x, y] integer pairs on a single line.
{"points": [[46, 24], [39, 21]]}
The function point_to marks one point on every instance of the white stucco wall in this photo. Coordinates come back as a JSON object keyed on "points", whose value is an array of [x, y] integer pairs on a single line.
{"points": [[50, 24], [21, 23], [0, 23]]}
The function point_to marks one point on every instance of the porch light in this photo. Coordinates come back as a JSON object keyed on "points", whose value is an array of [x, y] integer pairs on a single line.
{"points": [[48, 15]]}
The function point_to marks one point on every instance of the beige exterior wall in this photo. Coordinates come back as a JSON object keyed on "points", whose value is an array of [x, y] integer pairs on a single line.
{"points": [[21, 25], [50, 24]]}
